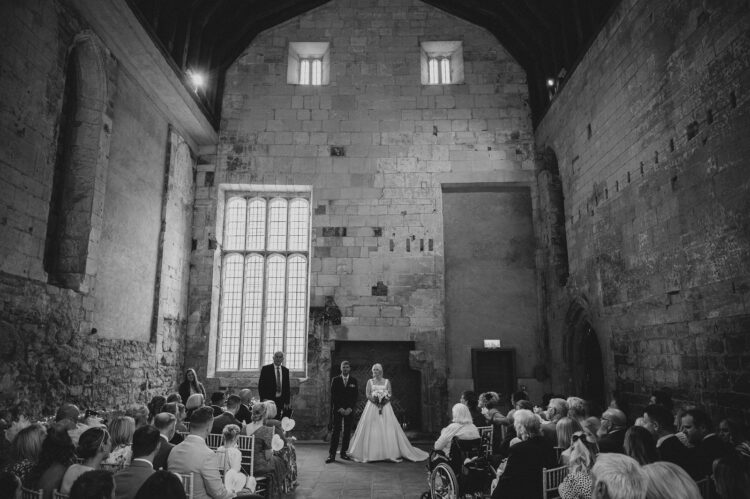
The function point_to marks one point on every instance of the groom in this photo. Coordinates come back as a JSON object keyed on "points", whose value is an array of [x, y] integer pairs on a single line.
{"points": [[344, 394]]}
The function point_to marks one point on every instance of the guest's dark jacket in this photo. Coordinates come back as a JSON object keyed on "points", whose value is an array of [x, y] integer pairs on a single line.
{"points": [[344, 397], [221, 421], [478, 418], [267, 385], [184, 390], [701, 457], [613, 442], [244, 414], [672, 450], [522, 478], [218, 411], [160, 460]]}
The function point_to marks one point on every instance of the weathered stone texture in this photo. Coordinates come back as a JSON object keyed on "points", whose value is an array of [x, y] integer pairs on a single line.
{"points": [[376, 145], [47, 351], [657, 200]]}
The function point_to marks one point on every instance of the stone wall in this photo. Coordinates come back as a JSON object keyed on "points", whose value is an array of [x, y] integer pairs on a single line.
{"points": [[651, 137], [105, 341], [376, 146]]}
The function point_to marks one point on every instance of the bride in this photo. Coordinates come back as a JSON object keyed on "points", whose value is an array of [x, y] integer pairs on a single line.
{"points": [[379, 436]]}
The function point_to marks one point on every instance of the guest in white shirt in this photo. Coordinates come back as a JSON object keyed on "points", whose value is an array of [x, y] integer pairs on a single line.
{"points": [[462, 427]]}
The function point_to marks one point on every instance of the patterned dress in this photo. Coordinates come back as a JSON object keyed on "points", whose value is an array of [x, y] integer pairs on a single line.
{"points": [[577, 485]]}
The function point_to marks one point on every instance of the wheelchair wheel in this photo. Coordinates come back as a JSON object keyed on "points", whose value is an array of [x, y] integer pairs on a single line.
{"points": [[443, 482]]}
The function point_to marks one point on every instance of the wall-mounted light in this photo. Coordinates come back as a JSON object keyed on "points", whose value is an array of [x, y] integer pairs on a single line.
{"points": [[197, 79]]}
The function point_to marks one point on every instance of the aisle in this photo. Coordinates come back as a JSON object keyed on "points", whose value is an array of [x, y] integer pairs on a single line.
{"points": [[347, 479]]}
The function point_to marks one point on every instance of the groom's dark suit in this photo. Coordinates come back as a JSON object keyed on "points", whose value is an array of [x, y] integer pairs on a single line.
{"points": [[343, 396]]}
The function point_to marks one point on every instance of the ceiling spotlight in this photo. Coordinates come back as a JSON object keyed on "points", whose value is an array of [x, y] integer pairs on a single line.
{"points": [[550, 82]]}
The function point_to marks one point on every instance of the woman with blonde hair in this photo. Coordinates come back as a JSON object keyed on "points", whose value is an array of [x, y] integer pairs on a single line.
{"points": [[665, 480], [121, 429], [25, 451], [578, 484], [229, 458], [565, 429], [265, 460]]}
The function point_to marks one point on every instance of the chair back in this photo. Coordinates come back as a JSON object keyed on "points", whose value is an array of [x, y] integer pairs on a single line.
{"points": [[704, 485], [56, 494], [551, 480], [187, 482], [31, 494], [485, 434], [113, 467], [246, 445], [214, 440]]}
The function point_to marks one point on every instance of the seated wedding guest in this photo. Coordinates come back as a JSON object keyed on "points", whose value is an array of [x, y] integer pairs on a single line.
{"points": [[288, 453], [461, 427], [229, 459], [139, 413], [591, 426], [217, 402], [58, 452], [612, 431], [639, 444], [96, 484], [576, 408], [619, 401], [731, 475], [566, 427], [10, 485], [578, 484], [556, 410], [93, 448], [174, 397], [25, 450], [271, 413], [659, 421], [489, 405], [68, 415], [470, 400], [163, 485], [194, 402], [265, 460], [667, 480], [246, 397], [190, 386], [707, 446], [522, 477], [146, 441], [178, 410], [617, 476], [121, 429], [165, 423], [228, 416], [155, 407], [733, 433], [194, 456]]}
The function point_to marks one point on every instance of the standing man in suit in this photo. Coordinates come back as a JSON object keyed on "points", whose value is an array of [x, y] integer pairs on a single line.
{"points": [[344, 392], [146, 441], [274, 385]]}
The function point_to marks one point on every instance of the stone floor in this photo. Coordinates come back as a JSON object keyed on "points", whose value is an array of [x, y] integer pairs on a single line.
{"points": [[355, 480]]}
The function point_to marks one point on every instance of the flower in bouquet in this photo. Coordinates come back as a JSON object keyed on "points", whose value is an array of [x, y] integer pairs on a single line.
{"points": [[381, 398]]}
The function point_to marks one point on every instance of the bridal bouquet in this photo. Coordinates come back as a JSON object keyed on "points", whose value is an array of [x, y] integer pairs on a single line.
{"points": [[382, 398]]}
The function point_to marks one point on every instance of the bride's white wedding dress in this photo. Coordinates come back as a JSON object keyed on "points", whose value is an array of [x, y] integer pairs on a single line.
{"points": [[379, 437]]}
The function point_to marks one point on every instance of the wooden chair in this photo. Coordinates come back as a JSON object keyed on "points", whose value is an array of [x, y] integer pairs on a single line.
{"points": [[485, 434], [56, 494], [551, 479], [704, 485], [187, 482], [246, 445], [31, 494], [214, 440]]}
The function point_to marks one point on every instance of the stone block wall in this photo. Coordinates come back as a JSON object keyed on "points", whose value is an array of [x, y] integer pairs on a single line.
{"points": [[376, 146], [651, 137], [98, 345]]}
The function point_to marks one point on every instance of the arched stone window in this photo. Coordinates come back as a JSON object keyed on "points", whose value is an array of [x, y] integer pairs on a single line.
{"points": [[79, 180]]}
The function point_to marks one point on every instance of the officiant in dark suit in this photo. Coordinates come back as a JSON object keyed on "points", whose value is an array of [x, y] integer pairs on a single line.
{"points": [[273, 384], [344, 392]]}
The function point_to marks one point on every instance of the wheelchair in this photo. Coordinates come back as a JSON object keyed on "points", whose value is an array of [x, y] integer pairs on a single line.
{"points": [[453, 478]]}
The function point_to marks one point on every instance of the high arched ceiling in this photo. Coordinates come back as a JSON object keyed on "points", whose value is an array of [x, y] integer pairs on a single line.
{"points": [[546, 37]]}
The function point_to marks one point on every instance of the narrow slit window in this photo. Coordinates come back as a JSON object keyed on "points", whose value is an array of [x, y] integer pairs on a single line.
{"points": [[311, 72], [445, 70]]}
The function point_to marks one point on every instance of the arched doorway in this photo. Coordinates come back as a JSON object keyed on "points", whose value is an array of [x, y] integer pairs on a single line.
{"points": [[584, 356]]}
